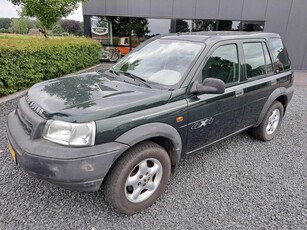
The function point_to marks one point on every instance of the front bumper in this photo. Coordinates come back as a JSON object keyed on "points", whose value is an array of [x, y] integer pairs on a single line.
{"points": [[73, 168]]}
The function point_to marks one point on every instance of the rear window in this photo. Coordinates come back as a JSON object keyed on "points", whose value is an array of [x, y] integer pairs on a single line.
{"points": [[280, 55]]}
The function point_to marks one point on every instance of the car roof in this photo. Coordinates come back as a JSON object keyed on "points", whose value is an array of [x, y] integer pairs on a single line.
{"points": [[204, 36]]}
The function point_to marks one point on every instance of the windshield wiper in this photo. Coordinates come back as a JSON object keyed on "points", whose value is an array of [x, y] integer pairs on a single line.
{"points": [[134, 77]]}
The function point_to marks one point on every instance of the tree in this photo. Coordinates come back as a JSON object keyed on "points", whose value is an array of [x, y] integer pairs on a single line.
{"points": [[14, 25], [182, 26], [139, 26], [35, 24], [22, 27], [119, 25], [80, 32], [48, 12], [57, 29], [70, 26], [5, 23]]}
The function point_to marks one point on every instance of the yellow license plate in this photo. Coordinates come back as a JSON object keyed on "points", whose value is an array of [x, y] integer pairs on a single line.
{"points": [[12, 153]]}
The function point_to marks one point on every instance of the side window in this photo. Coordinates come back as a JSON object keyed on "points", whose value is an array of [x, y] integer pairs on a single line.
{"points": [[223, 64], [254, 59], [281, 59], [268, 60]]}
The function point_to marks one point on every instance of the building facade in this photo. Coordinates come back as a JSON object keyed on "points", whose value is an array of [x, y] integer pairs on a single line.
{"points": [[286, 17]]}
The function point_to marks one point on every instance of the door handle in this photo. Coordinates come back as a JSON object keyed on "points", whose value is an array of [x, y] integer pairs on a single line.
{"points": [[239, 93], [274, 82]]}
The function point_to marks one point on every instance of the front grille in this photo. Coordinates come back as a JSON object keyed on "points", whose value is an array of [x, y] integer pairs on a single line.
{"points": [[27, 125], [34, 106], [32, 123]]}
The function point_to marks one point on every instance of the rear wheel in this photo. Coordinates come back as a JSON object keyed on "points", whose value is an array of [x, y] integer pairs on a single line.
{"points": [[138, 179], [270, 124]]}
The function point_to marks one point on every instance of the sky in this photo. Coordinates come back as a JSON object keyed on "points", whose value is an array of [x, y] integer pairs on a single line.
{"points": [[7, 10]]}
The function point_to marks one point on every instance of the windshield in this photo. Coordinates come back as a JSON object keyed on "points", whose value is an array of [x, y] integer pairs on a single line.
{"points": [[162, 61]]}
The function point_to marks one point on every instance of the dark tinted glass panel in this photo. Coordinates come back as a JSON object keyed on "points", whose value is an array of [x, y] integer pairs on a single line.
{"points": [[250, 26], [281, 59], [254, 58], [223, 64], [203, 25], [268, 60], [120, 35], [180, 25], [224, 25]]}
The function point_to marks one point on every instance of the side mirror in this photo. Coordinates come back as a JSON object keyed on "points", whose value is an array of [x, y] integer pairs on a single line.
{"points": [[209, 86]]}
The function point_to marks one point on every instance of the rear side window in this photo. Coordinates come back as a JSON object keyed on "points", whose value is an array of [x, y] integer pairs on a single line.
{"points": [[280, 55], [223, 64], [254, 59]]}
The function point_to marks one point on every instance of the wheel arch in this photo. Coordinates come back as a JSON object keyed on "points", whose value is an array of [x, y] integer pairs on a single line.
{"points": [[168, 146], [280, 94], [162, 134], [283, 99]]}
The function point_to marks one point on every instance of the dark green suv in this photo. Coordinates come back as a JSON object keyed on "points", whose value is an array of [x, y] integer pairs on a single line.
{"points": [[126, 129]]}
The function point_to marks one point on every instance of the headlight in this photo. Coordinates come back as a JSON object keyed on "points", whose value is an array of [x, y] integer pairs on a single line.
{"points": [[73, 134]]}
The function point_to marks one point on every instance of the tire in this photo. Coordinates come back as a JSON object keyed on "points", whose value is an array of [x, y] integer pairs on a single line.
{"points": [[270, 124], [138, 178]]}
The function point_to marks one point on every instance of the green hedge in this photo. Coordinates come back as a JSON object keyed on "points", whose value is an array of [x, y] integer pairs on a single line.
{"points": [[26, 60]]}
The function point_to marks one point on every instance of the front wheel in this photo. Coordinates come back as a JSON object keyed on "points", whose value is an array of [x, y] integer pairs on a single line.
{"points": [[270, 124], [138, 178]]}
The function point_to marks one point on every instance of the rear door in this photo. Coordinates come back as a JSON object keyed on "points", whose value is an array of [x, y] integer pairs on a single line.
{"points": [[259, 79]]}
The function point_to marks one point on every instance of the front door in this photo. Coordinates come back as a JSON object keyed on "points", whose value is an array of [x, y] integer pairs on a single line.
{"points": [[212, 117]]}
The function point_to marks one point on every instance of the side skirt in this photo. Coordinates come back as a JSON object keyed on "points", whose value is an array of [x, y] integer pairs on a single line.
{"points": [[223, 138]]}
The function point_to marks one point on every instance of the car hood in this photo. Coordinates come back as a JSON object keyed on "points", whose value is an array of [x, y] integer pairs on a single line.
{"points": [[92, 96]]}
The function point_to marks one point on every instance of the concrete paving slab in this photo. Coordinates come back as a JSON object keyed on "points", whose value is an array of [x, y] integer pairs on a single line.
{"points": [[300, 78]]}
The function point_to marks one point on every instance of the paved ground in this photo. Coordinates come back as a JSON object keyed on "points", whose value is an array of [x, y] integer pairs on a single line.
{"points": [[300, 78], [240, 183]]}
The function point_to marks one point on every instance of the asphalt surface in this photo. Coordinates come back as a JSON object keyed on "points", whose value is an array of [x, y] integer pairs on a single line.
{"points": [[240, 183]]}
